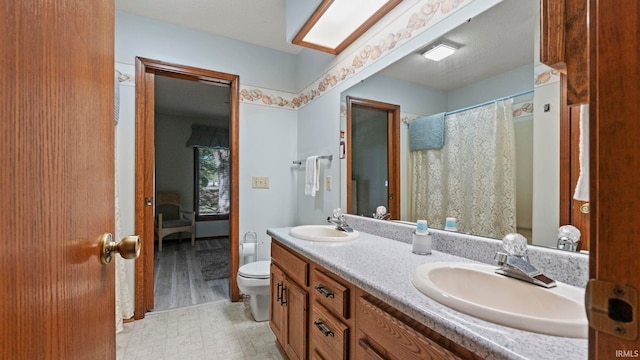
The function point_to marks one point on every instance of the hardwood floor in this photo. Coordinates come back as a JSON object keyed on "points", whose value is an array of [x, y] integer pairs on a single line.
{"points": [[177, 278]]}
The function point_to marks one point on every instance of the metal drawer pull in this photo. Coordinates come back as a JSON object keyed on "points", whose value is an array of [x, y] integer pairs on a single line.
{"points": [[323, 328], [328, 293], [283, 302], [369, 350], [279, 292]]}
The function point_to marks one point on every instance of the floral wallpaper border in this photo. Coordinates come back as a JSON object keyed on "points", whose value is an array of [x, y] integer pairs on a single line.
{"points": [[544, 75], [420, 17], [417, 19], [522, 109]]}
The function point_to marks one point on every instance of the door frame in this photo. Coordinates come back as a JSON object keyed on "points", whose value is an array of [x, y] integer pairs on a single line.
{"points": [[393, 150], [146, 70], [571, 209]]}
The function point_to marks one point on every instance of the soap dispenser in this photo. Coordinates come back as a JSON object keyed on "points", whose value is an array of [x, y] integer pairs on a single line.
{"points": [[421, 239]]}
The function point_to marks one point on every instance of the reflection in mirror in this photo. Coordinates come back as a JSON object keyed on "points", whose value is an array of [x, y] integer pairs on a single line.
{"points": [[495, 60]]}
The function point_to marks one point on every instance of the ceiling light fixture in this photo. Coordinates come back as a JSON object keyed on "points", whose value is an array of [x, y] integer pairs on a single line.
{"points": [[335, 24], [440, 51]]}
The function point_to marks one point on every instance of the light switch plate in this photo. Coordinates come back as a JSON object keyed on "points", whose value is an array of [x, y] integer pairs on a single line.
{"points": [[328, 183], [260, 182]]}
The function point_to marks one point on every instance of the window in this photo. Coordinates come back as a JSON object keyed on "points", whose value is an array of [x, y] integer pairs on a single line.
{"points": [[211, 182]]}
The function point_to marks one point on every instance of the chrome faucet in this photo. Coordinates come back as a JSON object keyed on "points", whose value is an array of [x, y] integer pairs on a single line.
{"points": [[569, 238], [515, 262], [381, 213], [339, 220]]}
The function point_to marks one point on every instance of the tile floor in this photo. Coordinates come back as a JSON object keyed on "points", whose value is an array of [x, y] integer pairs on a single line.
{"points": [[219, 330]]}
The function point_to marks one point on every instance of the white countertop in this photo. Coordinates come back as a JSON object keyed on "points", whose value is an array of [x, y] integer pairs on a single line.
{"points": [[383, 267]]}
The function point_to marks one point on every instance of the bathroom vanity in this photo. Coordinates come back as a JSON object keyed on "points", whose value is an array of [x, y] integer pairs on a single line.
{"points": [[355, 300]]}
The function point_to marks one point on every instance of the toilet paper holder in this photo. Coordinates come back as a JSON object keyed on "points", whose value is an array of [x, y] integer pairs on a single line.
{"points": [[249, 247]]}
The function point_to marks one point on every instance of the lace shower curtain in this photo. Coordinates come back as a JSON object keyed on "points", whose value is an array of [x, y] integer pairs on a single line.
{"points": [[124, 302], [472, 177]]}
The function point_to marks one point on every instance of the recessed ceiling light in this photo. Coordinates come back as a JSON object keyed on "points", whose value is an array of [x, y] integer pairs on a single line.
{"points": [[440, 52], [335, 24]]}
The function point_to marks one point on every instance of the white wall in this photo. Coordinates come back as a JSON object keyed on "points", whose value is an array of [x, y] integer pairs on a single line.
{"points": [[256, 65], [319, 134], [412, 98], [125, 168], [523, 131], [546, 161], [505, 84], [262, 129], [319, 122], [268, 146]]}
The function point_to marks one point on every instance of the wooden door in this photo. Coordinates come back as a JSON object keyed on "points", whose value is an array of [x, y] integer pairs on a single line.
{"points": [[572, 211], [579, 209], [297, 302], [615, 170], [276, 309], [57, 179], [393, 155]]}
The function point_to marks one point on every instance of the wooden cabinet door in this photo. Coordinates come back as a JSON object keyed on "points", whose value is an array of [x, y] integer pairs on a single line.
{"points": [[297, 302], [276, 308], [57, 179]]}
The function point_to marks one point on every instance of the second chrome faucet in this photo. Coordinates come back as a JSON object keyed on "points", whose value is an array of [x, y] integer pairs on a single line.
{"points": [[514, 262], [339, 220]]}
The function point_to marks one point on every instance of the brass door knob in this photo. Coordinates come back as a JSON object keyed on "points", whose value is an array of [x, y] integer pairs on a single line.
{"points": [[128, 247], [584, 208]]}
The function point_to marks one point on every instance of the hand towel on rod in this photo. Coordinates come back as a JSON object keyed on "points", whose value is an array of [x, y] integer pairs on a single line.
{"points": [[311, 179]]}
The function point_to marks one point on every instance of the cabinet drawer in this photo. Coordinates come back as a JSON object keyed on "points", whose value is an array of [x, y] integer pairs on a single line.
{"points": [[329, 336], [393, 336], [295, 268], [315, 355], [330, 293]]}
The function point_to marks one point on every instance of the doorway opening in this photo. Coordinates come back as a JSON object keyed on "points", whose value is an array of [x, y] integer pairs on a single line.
{"points": [[186, 143], [373, 157]]}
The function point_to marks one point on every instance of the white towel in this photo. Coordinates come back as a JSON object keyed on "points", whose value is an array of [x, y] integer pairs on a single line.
{"points": [[582, 187], [311, 179]]}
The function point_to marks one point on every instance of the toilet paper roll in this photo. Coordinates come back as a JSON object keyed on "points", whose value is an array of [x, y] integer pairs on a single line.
{"points": [[247, 249]]}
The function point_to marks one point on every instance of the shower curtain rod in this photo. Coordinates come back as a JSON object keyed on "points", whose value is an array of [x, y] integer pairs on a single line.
{"points": [[489, 102]]}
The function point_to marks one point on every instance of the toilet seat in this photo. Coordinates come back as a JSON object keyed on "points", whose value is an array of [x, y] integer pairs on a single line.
{"points": [[255, 270]]}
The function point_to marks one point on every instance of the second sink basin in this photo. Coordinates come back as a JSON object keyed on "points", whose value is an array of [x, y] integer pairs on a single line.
{"points": [[476, 290], [327, 233]]}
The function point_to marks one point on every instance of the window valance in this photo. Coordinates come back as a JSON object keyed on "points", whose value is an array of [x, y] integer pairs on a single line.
{"points": [[207, 136]]}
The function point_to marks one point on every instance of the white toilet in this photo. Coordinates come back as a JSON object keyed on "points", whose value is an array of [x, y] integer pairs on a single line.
{"points": [[253, 280]]}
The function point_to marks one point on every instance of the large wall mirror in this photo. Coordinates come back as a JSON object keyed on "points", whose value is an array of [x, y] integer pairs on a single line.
{"points": [[517, 164]]}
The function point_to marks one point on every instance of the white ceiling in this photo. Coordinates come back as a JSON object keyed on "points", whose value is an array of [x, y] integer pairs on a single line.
{"points": [[496, 41], [259, 22]]}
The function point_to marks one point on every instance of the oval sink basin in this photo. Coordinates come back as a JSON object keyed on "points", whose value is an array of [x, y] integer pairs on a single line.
{"points": [[327, 233], [476, 290]]}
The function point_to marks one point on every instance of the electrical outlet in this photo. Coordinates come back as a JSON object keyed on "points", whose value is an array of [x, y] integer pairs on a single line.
{"points": [[260, 182], [328, 183]]}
